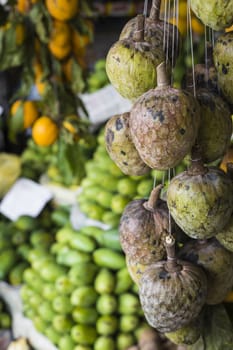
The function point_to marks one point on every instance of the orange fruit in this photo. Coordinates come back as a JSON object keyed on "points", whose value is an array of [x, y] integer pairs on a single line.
{"points": [[60, 39], [29, 111], [197, 26], [23, 6], [62, 10], [228, 158], [45, 131]]}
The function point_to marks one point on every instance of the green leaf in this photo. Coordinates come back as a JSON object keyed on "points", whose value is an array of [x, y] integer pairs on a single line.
{"points": [[217, 330], [41, 20], [15, 124]]}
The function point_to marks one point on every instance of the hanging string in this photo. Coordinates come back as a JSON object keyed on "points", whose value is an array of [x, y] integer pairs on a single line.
{"points": [[145, 8], [169, 213], [189, 26], [164, 25]]}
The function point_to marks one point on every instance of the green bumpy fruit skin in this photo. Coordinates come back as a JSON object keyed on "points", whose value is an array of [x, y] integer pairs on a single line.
{"points": [[225, 236], [137, 232], [171, 300], [164, 124], [216, 124], [201, 204], [131, 67], [222, 55], [154, 34], [216, 14], [217, 263], [120, 146], [187, 335]]}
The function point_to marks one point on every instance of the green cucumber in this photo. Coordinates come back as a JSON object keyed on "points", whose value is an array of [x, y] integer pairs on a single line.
{"points": [[105, 281], [128, 323], [104, 343], [82, 242], [83, 272], [110, 239], [123, 281], [70, 257], [85, 315], [83, 334], [84, 296], [108, 258], [106, 304], [128, 304], [107, 324]]}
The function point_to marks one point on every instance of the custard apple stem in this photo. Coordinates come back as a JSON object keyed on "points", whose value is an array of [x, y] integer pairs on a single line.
{"points": [[153, 199], [138, 35], [155, 10], [197, 166], [163, 79], [171, 264]]}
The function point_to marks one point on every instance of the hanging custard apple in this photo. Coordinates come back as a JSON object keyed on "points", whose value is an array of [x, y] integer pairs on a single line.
{"points": [[223, 61], [225, 236], [131, 64], [214, 134], [159, 33], [142, 227], [187, 335], [172, 292], [164, 124], [121, 148], [202, 75], [217, 263], [200, 199], [216, 14]]}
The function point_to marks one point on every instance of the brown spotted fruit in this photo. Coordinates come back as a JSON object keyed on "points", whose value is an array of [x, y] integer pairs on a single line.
{"points": [[223, 61], [187, 335], [172, 292], [159, 33], [217, 263], [216, 14], [202, 75], [200, 199], [131, 64], [214, 134], [120, 146], [142, 227], [164, 123]]}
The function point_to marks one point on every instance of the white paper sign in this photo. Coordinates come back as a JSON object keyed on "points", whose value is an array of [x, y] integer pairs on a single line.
{"points": [[25, 197]]}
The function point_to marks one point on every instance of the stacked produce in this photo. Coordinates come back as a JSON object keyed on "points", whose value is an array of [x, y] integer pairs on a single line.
{"points": [[178, 246], [24, 237], [80, 294], [106, 189], [45, 44]]}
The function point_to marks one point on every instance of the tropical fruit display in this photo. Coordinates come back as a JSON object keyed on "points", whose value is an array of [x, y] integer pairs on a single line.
{"points": [[80, 294], [170, 238], [106, 189], [19, 238]]}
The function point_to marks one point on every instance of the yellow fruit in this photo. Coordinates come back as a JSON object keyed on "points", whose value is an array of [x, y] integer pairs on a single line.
{"points": [[23, 6], [29, 111], [182, 24], [62, 10], [229, 298], [60, 40], [45, 131], [197, 26]]}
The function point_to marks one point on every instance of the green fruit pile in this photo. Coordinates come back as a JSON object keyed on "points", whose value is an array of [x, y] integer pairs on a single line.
{"points": [[80, 294], [63, 163], [5, 318], [97, 77], [20, 238], [106, 190]]}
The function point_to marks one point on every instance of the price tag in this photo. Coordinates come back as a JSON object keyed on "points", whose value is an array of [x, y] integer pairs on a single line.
{"points": [[25, 197]]}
